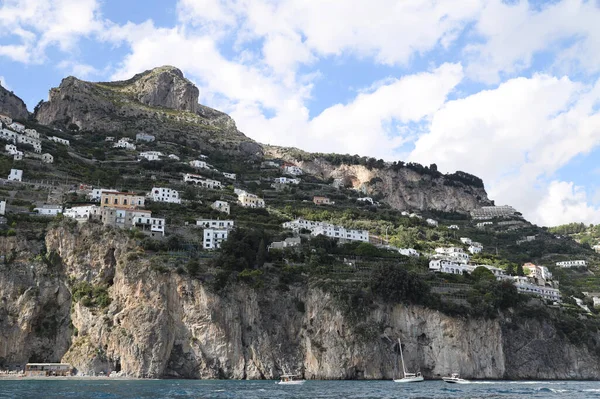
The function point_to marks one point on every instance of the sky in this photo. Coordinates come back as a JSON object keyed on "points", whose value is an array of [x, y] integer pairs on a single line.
{"points": [[506, 90]]}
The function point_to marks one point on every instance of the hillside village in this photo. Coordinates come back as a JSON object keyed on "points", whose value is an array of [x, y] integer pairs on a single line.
{"points": [[173, 194]]}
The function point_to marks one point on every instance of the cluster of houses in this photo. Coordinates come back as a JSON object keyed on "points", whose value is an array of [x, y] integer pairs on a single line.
{"points": [[327, 229], [17, 134]]}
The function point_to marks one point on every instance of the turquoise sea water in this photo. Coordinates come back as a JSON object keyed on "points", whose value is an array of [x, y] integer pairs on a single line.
{"points": [[108, 389]]}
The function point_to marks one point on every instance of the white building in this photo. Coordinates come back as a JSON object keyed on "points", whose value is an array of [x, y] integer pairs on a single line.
{"points": [[475, 249], [596, 248], [326, 229], [16, 175], [221, 206], [59, 140], [248, 200], [292, 170], [174, 157], [217, 224], [409, 252], [490, 212], [81, 212], [49, 210], [366, 199], [151, 155], [213, 238], [2, 207], [202, 181], [414, 215], [431, 222], [148, 138], [124, 143], [481, 225], [289, 242], [466, 240], [163, 194], [572, 263], [453, 227], [35, 143], [109, 138], [525, 287], [11, 149], [144, 220], [32, 133], [538, 272], [454, 253], [286, 180], [230, 176], [19, 127], [448, 266], [199, 164], [47, 158]]}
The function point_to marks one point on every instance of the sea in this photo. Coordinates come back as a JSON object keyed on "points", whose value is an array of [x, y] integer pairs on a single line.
{"points": [[105, 389]]}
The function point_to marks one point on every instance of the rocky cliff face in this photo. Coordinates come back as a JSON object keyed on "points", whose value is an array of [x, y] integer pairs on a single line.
{"points": [[161, 324], [12, 105], [402, 188], [160, 101]]}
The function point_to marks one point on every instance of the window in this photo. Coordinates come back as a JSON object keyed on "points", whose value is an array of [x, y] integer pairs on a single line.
{"points": [[116, 201], [106, 200], [125, 201]]}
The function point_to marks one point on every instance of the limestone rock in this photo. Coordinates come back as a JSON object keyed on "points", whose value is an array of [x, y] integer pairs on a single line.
{"points": [[12, 105]]}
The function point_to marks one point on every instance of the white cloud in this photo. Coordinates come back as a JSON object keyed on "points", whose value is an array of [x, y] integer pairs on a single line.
{"points": [[566, 203], [43, 23], [82, 71], [513, 33], [515, 137]]}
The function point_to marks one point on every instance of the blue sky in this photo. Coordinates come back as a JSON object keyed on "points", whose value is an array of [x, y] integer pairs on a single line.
{"points": [[508, 91]]}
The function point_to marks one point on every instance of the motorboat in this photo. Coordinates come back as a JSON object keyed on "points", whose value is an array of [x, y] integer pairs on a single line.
{"points": [[290, 379], [455, 379], [407, 377]]}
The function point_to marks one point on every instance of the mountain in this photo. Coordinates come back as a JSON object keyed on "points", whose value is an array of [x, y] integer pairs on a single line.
{"points": [[160, 101], [12, 105]]}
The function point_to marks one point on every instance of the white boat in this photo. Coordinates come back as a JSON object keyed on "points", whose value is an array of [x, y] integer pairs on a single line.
{"points": [[455, 379], [408, 377], [290, 379]]}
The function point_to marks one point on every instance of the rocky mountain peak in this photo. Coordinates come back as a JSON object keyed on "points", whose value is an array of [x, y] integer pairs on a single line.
{"points": [[162, 87], [12, 105]]}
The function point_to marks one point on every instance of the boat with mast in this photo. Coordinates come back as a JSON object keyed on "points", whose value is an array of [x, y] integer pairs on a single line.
{"points": [[408, 377]]}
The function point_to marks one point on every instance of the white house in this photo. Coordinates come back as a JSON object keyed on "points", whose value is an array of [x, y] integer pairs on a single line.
{"points": [[59, 140], [475, 249], [19, 127], [81, 212], [32, 133], [453, 227], [408, 252], [248, 200], [151, 155], [174, 157], [199, 164], [202, 181], [596, 248], [525, 287], [109, 138], [481, 225], [221, 206], [18, 155], [148, 138], [538, 272], [16, 175], [35, 143], [448, 266], [431, 222], [289, 242], [47, 158], [163, 194], [145, 221], [2, 207], [454, 253], [124, 143], [11, 149], [49, 210], [229, 175], [286, 180], [414, 215], [292, 170], [572, 263], [326, 229], [217, 224], [213, 238], [366, 199]]}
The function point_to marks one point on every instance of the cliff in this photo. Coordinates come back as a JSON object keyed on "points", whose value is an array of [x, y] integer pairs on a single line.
{"points": [[143, 319], [160, 101], [12, 105], [402, 187]]}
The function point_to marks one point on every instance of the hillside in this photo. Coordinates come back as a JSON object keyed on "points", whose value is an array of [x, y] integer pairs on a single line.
{"points": [[211, 256], [11, 105]]}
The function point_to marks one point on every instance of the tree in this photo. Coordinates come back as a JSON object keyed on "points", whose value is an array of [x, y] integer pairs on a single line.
{"points": [[483, 273], [261, 254], [520, 271]]}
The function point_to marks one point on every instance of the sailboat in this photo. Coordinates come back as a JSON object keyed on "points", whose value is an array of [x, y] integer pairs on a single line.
{"points": [[408, 377]]}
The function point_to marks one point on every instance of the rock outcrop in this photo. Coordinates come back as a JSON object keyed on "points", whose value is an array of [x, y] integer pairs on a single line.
{"points": [[165, 324], [12, 105], [160, 101]]}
